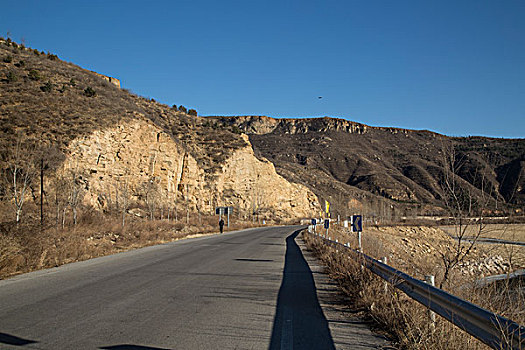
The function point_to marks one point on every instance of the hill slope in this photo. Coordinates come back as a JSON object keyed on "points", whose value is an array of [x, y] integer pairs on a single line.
{"points": [[109, 137], [388, 168]]}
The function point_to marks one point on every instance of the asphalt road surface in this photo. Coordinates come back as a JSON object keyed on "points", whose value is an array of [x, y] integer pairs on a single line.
{"points": [[251, 289]]}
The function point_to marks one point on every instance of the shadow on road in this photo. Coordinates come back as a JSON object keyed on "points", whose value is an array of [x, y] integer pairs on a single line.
{"points": [[13, 340], [299, 320], [130, 347]]}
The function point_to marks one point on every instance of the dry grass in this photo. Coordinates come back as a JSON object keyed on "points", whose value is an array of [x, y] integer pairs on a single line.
{"points": [[406, 321], [25, 248]]}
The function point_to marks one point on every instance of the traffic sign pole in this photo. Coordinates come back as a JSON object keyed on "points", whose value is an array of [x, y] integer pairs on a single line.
{"points": [[357, 226], [326, 226]]}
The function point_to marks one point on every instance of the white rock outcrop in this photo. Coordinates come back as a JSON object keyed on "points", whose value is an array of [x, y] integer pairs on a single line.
{"points": [[138, 152]]}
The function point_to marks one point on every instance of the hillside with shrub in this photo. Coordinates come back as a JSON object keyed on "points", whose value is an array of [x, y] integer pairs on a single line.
{"points": [[53, 102], [391, 172]]}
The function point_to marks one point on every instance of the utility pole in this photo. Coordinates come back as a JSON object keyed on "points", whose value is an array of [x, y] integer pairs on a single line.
{"points": [[187, 207], [42, 190]]}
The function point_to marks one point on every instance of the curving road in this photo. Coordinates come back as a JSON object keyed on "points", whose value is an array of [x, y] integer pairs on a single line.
{"points": [[250, 289]]}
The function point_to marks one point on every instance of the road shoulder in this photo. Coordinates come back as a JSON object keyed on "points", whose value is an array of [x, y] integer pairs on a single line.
{"points": [[348, 331]]}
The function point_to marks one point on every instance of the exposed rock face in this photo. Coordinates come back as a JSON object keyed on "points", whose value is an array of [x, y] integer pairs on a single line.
{"points": [[112, 80], [138, 152], [255, 185], [264, 125]]}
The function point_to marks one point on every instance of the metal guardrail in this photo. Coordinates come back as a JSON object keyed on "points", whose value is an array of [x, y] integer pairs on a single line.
{"points": [[494, 330]]}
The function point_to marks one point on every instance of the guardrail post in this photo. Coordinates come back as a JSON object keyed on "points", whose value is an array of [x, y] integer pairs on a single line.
{"points": [[431, 314], [384, 260], [359, 242]]}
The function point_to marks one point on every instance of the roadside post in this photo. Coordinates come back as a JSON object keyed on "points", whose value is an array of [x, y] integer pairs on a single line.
{"points": [[357, 226], [431, 314], [384, 260], [228, 211]]}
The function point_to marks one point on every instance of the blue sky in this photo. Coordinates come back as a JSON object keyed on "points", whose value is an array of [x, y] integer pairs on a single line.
{"points": [[454, 67]]}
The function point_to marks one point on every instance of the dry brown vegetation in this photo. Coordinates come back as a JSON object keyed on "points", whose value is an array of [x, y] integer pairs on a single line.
{"points": [[31, 246], [417, 251]]}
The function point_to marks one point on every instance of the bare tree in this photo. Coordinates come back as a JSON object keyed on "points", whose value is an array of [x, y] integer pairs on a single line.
{"points": [[76, 191], [21, 171], [49, 159], [124, 199], [465, 205], [151, 194], [61, 198]]}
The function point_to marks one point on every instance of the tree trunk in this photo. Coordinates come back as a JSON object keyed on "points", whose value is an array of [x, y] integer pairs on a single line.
{"points": [[64, 217]]}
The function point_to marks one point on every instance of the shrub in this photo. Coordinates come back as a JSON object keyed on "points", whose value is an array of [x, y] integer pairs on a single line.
{"points": [[90, 92], [192, 112], [47, 87], [20, 64], [63, 88], [73, 82], [15, 45], [52, 57], [36, 52], [174, 107], [34, 75], [8, 59], [183, 109], [11, 77], [236, 130]]}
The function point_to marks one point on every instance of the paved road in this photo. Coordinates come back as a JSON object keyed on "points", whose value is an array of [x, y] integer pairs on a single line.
{"points": [[252, 289], [488, 240]]}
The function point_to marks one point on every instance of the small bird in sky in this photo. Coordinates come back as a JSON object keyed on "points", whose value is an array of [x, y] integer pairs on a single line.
{"points": [[320, 97]]}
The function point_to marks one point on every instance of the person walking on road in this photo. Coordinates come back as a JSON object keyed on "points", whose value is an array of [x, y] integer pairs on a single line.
{"points": [[221, 225]]}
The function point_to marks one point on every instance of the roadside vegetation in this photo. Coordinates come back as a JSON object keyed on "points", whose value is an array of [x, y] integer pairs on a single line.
{"points": [[404, 320], [30, 246], [455, 255]]}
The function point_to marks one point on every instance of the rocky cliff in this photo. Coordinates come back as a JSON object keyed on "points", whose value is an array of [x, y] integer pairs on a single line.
{"points": [[260, 125], [138, 152]]}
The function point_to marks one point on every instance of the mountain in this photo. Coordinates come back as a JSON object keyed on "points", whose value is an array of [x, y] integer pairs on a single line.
{"points": [[91, 135], [389, 170], [83, 131]]}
